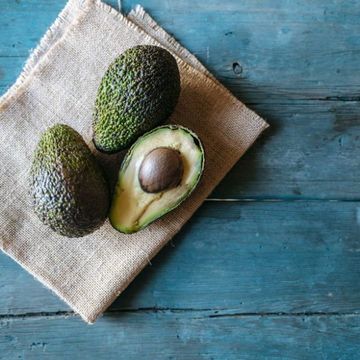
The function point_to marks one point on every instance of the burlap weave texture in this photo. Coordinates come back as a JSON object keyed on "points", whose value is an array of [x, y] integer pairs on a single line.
{"points": [[59, 85]]}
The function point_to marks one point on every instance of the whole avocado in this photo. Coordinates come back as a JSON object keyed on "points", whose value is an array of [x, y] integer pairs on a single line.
{"points": [[67, 187], [138, 92]]}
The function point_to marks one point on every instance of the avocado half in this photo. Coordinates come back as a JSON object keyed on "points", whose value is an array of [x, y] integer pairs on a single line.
{"points": [[138, 202], [138, 92]]}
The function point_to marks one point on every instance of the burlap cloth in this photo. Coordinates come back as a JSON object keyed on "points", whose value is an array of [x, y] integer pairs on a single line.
{"points": [[58, 85]]}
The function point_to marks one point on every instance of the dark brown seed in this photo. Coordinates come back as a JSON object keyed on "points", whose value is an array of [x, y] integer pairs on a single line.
{"points": [[162, 169]]}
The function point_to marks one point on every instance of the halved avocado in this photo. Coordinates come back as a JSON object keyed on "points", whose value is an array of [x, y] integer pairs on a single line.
{"points": [[159, 172]]}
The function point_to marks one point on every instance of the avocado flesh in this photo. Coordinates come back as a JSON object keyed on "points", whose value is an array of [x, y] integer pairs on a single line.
{"points": [[132, 208], [68, 190], [138, 91]]}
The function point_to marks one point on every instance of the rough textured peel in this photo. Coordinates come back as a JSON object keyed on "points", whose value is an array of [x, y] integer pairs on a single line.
{"points": [[138, 92], [67, 187]]}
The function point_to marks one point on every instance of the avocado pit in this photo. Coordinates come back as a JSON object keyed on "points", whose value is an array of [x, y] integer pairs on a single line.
{"points": [[161, 169]]}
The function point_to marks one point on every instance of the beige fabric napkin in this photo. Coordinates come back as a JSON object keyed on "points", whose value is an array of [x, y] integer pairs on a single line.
{"points": [[59, 84]]}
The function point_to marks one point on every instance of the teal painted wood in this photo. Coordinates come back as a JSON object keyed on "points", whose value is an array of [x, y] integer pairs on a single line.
{"points": [[253, 257], [288, 72], [23, 23], [179, 335], [282, 49], [297, 64], [311, 152]]}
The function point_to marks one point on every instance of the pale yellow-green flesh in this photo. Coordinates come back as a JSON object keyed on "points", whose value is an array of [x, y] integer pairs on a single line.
{"points": [[132, 208]]}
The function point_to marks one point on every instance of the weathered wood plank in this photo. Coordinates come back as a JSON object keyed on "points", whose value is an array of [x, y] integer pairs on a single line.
{"points": [[10, 69], [23, 23], [311, 151], [270, 48], [183, 335], [253, 257], [261, 50]]}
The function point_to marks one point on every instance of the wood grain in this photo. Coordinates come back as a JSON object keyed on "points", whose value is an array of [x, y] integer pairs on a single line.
{"points": [[265, 257], [179, 335], [282, 53], [245, 279]]}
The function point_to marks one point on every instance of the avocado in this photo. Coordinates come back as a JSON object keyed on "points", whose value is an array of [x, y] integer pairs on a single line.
{"points": [[138, 92], [68, 189], [159, 172]]}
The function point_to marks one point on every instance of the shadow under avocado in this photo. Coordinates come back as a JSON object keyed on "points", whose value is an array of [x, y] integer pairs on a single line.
{"points": [[111, 164]]}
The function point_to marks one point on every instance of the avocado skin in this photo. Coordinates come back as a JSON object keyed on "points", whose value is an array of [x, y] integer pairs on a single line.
{"points": [[139, 91], [125, 165], [68, 189]]}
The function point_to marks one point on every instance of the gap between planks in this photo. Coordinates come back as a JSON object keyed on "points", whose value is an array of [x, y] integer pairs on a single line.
{"points": [[204, 313], [280, 199]]}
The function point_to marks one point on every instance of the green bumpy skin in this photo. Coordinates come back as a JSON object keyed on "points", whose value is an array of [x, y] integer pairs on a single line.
{"points": [[68, 189], [139, 91]]}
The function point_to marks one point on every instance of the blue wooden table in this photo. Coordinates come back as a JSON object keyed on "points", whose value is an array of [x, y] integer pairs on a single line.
{"points": [[269, 268]]}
